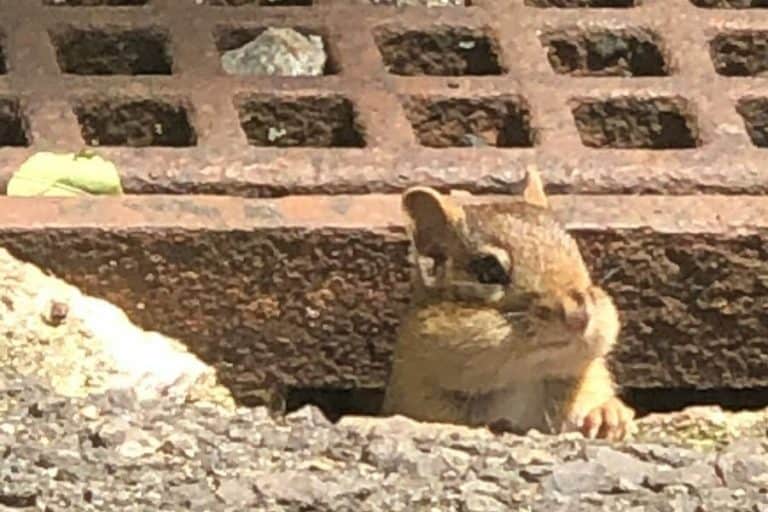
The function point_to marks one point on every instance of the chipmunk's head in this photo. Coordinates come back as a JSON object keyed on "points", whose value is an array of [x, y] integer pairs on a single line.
{"points": [[512, 258]]}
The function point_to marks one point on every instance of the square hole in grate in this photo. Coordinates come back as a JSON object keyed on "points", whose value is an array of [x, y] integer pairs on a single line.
{"points": [[421, 3], [94, 3], [3, 60], [635, 123], [112, 51], [13, 123], [754, 111], [629, 52], [264, 3], [501, 121], [442, 51], [582, 3], [228, 38], [134, 122], [743, 53], [729, 4], [317, 121]]}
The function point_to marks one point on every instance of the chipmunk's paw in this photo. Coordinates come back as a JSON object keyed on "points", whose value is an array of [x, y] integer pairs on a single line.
{"points": [[613, 420]]}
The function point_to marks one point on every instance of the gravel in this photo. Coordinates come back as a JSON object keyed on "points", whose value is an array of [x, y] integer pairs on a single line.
{"points": [[110, 451], [100, 441]]}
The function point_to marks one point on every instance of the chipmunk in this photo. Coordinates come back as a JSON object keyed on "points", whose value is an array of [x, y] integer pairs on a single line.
{"points": [[507, 326]]}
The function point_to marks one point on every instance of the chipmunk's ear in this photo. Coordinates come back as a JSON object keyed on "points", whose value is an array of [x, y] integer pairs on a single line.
{"points": [[534, 189], [436, 220]]}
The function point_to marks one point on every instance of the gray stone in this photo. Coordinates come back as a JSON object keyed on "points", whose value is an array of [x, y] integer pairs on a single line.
{"points": [[181, 444], [698, 474], [457, 460], [291, 487], [621, 466], [126, 455], [577, 477], [277, 52], [308, 415], [384, 454], [235, 491], [743, 463], [675, 456], [483, 503]]}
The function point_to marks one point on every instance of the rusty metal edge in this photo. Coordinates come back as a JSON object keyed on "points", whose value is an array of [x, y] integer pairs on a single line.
{"points": [[714, 214]]}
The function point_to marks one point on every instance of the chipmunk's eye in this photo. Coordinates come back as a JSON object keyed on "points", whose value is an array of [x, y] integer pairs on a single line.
{"points": [[487, 269]]}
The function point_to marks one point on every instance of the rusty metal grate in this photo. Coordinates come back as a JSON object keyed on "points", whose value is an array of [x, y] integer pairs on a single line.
{"points": [[607, 96], [309, 290]]}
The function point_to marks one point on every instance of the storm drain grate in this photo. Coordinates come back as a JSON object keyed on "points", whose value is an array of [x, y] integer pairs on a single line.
{"points": [[608, 96]]}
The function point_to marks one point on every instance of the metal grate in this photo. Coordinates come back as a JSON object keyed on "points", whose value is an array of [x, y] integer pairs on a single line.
{"points": [[607, 96]]}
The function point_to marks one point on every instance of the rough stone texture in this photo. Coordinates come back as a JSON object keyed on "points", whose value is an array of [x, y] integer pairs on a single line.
{"points": [[695, 306], [110, 452], [138, 123], [632, 123], [332, 122], [277, 52], [632, 52], [442, 51], [741, 53], [81, 345], [755, 119], [448, 122], [101, 52], [307, 292]]}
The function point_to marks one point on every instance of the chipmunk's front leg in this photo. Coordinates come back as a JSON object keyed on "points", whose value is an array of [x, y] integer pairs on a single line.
{"points": [[594, 408]]}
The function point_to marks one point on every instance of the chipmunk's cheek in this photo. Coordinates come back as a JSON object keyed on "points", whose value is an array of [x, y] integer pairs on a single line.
{"points": [[577, 321]]}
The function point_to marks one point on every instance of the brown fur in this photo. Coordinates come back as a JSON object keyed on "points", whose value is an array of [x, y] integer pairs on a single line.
{"points": [[518, 335]]}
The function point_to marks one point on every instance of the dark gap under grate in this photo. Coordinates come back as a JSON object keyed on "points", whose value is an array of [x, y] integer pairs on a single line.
{"points": [[337, 403], [661, 400], [368, 401]]}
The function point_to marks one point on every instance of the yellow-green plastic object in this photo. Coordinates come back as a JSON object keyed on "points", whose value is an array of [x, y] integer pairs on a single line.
{"points": [[65, 174]]}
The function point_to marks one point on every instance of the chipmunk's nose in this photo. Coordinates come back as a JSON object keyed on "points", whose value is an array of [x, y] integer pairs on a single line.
{"points": [[575, 310]]}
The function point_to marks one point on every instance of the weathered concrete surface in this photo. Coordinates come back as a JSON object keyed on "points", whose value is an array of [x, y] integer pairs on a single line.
{"points": [[307, 291], [110, 452]]}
